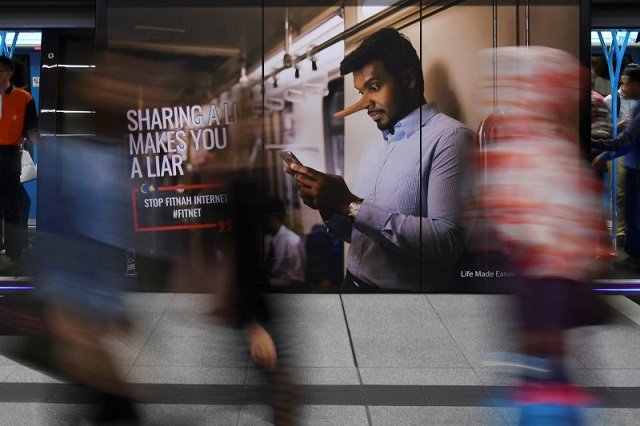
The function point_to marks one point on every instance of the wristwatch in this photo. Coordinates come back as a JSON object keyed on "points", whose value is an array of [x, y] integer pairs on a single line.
{"points": [[354, 208]]}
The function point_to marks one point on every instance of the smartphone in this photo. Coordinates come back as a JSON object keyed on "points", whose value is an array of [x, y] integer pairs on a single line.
{"points": [[289, 158]]}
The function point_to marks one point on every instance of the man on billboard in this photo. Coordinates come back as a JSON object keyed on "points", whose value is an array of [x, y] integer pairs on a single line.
{"points": [[403, 216]]}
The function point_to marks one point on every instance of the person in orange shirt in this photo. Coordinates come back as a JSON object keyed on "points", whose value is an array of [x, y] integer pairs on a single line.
{"points": [[18, 118]]}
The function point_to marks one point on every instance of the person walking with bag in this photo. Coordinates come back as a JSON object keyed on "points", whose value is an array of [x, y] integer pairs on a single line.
{"points": [[18, 118]]}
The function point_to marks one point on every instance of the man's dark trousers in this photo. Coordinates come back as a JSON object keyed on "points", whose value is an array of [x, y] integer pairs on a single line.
{"points": [[10, 166]]}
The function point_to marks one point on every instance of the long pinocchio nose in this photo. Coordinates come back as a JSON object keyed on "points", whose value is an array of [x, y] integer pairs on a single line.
{"points": [[361, 104]]}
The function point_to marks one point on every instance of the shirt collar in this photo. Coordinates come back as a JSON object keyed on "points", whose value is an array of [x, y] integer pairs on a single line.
{"points": [[621, 94], [9, 90], [410, 124]]}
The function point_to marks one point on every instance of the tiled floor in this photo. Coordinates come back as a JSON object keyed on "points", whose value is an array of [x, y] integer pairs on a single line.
{"points": [[360, 360]]}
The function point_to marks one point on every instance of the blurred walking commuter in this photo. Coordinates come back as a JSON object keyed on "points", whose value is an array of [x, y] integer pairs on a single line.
{"points": [[542, 203]]}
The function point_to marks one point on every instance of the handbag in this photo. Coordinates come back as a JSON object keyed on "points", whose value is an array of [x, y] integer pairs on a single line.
{"points": [[29, 170]]}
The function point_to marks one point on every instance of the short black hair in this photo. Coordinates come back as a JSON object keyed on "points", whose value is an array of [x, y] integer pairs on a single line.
{"points": [[7, 62], [394, 50], [632, 71]]}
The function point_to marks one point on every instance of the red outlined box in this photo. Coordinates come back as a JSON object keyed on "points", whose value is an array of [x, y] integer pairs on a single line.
{"points": [[136, 224]]}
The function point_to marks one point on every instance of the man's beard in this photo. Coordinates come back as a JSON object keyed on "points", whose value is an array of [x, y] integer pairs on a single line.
{"points": [[389, 126]]}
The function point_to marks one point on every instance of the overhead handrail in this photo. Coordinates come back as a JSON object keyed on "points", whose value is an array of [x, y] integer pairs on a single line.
{"points": [[614, 52], [4, 49], [344, 35]]}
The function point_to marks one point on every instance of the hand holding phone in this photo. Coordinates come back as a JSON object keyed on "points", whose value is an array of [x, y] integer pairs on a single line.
{"points": [[289, 158]]}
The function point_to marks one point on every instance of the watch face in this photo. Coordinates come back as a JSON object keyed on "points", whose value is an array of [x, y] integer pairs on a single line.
{"points": [[354, 207]]}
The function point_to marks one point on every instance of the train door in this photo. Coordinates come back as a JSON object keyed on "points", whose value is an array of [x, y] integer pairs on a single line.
{"points": [[615, 51]]}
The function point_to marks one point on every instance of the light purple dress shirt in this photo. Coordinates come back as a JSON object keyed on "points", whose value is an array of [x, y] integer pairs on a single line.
{"points": [[408, 232]]}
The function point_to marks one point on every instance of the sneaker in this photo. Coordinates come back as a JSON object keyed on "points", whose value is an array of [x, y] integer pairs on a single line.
{"points": [[550, 415], [550, 403], [553, 393]]}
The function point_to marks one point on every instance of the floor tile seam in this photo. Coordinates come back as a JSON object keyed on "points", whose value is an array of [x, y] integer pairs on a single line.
{"points": [[186, 366], [355, 361], [240, 407], [243, 381], [572, 356], [469, 363], [247, 369], [625, 307], [155, 327], [7, 369], [478, 379], [163, 308], [486, 382]]}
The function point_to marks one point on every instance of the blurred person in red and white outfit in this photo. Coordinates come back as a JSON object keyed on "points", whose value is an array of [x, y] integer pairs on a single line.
{"points": [[541, 202]]}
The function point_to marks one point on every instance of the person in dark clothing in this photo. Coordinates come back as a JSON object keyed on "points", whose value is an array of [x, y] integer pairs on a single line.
{"points": [[241, 301], [18, 118], [627, 144]]}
